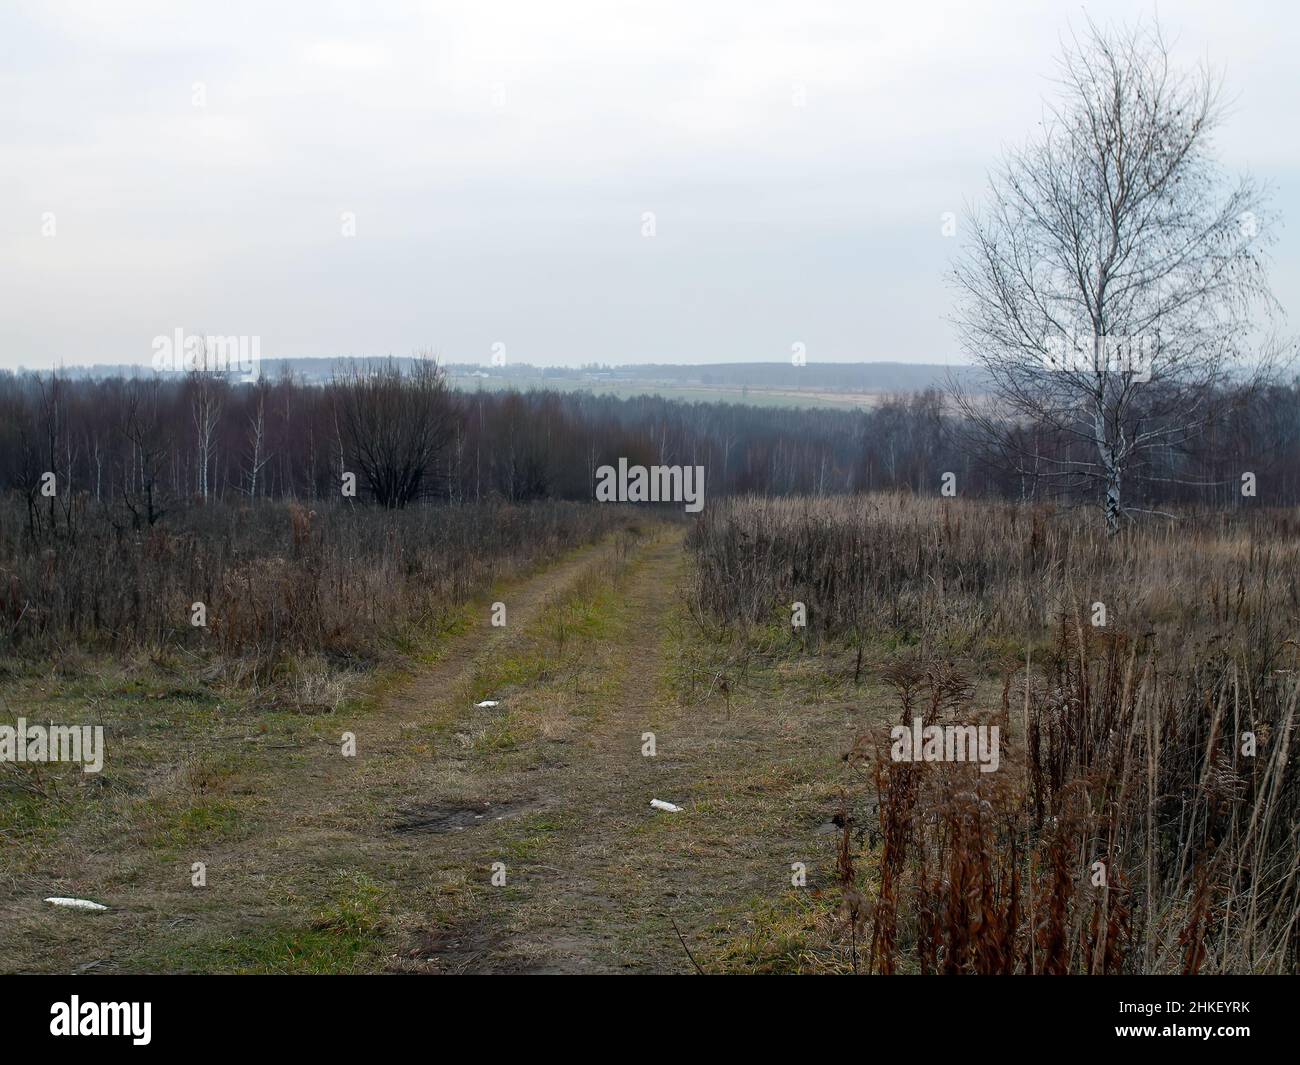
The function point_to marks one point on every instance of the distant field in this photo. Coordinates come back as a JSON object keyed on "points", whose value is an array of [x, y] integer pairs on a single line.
{"points": [[756, 396]]}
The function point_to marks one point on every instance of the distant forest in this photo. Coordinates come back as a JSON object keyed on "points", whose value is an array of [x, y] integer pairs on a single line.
{"points": [[135, 449]]}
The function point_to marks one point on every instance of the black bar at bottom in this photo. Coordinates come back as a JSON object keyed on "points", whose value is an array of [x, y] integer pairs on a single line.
{"points": [[335, 1014]]}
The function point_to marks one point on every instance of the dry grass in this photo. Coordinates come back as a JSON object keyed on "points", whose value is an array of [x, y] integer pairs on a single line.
{"points": [[1128, 829], [338, 584], [955, 577]]}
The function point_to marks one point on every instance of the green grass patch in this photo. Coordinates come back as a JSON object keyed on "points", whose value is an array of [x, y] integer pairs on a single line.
{"points": [[512, 671], [194, 824], [505, 733], [782, 935], [338, 939]]}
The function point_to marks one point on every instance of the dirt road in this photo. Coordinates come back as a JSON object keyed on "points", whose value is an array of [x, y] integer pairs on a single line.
{"points": [[514, 837], [591, 879]]}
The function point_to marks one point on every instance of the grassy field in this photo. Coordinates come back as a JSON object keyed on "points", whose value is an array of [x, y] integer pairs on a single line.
{"points": [[1144, 814], [496, 815], [319, 863], [287, 828]]}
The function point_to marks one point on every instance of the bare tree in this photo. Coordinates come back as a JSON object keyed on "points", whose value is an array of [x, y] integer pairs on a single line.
{"points": [[397, 426], [257, 456], [1110, 291], [208, 393], [53, 413], [146, 454], [22, 453]]}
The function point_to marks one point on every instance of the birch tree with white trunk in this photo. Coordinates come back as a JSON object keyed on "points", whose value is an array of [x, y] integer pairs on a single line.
{"points": [[1113, 290], [207, 386]]}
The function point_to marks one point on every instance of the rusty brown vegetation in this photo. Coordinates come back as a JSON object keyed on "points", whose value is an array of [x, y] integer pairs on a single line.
{"points": [[1144, 815]]}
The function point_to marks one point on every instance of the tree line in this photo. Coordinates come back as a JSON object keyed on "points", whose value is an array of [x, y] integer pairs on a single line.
{"points": [[132, 451]]}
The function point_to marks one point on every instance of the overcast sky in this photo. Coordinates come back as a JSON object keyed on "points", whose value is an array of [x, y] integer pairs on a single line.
{"points": [[499, 160]]}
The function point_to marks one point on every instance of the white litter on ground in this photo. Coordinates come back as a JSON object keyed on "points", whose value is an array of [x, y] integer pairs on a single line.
{"points": [[659, 804], [76, 904], [488, 703]]}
